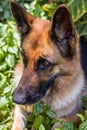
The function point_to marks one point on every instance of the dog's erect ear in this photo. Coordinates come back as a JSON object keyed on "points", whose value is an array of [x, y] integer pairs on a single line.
{"points": [[23, 18], [63, 31]]}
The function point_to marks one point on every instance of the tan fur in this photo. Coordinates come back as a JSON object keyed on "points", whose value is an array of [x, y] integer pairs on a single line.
{"points": [[64, 97]]}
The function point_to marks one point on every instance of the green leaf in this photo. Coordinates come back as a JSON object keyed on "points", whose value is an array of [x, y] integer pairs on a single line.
{"points": [[50, 114], [5, 48], [13, 50], [68, 126], [81, 117], [82, 29], [78, 10], [38, 121], [83, 126], [2, 54], [7, 90], [10, 60], [3, 66], [41, 127], [56, 120], [31, 117], [37, 108], [3, 29], [3, 101], [2, 79]]}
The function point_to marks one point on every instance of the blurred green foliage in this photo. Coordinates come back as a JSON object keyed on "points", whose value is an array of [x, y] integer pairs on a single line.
{"points": [[9, 54], [5, 9]]}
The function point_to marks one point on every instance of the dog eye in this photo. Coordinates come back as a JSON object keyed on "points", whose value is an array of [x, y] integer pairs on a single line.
{"points": [[43, 64]]}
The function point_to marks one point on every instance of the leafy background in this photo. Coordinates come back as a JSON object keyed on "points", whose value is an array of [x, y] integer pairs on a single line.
{"points": [[9, 55]]}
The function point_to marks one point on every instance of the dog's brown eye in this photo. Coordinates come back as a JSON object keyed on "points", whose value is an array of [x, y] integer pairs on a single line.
{"points": [[43, 64]]}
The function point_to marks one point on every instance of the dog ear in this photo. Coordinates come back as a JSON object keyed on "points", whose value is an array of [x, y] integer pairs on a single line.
{"points": [[23, 18], [63, 31]]}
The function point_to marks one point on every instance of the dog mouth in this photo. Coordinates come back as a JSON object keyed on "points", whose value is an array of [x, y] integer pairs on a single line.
{"points": [[31, 96]]}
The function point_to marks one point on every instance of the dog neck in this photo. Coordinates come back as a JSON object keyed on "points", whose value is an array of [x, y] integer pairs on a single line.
{"points": [[66, 96]]}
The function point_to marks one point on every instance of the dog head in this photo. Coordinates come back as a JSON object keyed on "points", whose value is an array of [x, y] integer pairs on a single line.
{"points": [[49, 51]]}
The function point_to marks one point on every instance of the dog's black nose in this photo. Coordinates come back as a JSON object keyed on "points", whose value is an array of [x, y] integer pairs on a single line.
{"points": [[26, 96], [19, 97]]}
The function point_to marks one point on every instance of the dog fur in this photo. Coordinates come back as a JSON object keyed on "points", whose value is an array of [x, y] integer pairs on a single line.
{"points": [[49, 68]]}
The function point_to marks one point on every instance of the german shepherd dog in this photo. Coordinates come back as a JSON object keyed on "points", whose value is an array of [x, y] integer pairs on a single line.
{"points": [[49, 67]]}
